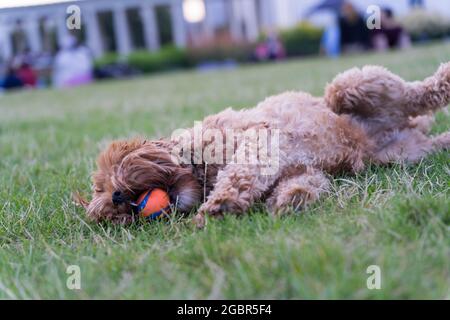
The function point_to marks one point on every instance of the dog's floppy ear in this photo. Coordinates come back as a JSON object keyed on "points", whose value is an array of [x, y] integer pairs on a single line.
{"points": [[79, 200]]}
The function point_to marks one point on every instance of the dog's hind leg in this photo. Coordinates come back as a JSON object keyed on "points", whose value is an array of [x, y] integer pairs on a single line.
{"points": [[297, 192], [422, 123], [373, 93], [427, 96], [441, 142], [411, 145]]}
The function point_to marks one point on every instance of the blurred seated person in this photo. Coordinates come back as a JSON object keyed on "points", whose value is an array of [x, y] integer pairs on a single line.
{"points": [[11, 80], [330, 42], [354, 34], [27, 75], [73, 65], [270, 49], [391, 34]]}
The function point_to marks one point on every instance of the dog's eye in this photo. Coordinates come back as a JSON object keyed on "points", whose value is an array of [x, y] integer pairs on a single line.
{"points": [[98, 190]]}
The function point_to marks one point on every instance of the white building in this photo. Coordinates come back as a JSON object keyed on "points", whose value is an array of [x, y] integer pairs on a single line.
{"points": [[125, 25]]}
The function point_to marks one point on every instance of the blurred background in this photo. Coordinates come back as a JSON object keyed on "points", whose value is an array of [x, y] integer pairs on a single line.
{"points": [[40, 47]]}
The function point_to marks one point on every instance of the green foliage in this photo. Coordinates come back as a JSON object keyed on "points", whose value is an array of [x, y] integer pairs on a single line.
{"points": [[425, 25], [167, 58], [106, 59], [304, 39], [221, 52]]}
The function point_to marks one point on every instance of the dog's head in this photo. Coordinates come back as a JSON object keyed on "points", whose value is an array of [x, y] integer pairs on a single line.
{"points": [[128, 168]]}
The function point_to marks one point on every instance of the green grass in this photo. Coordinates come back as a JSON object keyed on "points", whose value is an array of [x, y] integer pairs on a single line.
{"points": [[395, 217]]}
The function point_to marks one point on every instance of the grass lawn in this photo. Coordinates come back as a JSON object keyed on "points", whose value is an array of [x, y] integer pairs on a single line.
{"points": [[397, 218]]}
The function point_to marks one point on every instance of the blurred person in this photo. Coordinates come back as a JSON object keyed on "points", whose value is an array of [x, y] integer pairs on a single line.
{"points": [[271, 48], [27, 75], [330, 42], [11, 80], [390, 35], [73, 65], [354, 34]]}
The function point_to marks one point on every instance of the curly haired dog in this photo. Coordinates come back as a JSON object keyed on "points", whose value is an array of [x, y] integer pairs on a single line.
{"points": [[367, 115]]}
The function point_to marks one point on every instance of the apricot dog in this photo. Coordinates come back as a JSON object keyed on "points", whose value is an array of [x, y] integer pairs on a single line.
{"points": [[367, 115]]}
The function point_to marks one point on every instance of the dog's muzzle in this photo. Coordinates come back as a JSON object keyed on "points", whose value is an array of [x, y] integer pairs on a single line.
{"points": [[118, 198]]}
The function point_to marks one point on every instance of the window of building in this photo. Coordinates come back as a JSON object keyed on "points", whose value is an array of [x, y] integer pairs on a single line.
{"points": [[136, 28], [106, 25], [164, 23]]}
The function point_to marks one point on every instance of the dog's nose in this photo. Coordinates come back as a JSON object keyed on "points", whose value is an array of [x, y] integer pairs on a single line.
{"points": [[117, 198]]}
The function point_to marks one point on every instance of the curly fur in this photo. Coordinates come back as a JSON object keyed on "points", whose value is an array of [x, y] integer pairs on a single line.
{"points": [[366, 115]]}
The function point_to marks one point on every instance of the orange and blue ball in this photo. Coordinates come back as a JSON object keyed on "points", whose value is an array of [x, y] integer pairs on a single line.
{"points": [[152, 204]]}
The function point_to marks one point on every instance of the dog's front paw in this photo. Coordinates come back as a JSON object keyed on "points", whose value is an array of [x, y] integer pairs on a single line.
{"points": [[291, 200], [218, 206], [199, 220], [206, 208]]}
